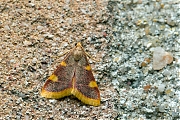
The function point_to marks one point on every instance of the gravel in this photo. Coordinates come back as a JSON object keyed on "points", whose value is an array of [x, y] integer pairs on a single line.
{"points": [[138, 27]]}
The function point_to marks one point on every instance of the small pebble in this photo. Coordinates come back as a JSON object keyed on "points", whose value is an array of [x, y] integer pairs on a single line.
{"points": [[161, 87], [34, 60], [161, 58], [27, 43], [52, 101], [40, 27], [48, 35], [115, 82]]}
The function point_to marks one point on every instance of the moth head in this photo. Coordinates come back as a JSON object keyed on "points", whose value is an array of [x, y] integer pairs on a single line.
{"points": [[78, 52]]}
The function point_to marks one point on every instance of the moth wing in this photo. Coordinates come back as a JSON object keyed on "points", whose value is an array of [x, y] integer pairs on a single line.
{"points": [[59, 84], [85, 86]]}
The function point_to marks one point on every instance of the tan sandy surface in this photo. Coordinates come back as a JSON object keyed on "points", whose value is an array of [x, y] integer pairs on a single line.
{"points": [[33, 36]]}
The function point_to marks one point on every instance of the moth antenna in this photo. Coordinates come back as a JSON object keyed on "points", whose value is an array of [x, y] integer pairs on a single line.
{"points": [[91, 57], [64, 53]]}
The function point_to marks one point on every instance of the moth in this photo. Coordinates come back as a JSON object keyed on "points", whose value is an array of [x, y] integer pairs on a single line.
{"points": [[73, 77]]}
